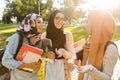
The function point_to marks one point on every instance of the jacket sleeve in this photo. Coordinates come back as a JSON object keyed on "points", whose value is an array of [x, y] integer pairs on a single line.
{"points": [[8, 57], [109, 61], [116, 73]]}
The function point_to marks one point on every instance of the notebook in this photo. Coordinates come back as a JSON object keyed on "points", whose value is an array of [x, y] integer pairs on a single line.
{"points": [[29, 54]]}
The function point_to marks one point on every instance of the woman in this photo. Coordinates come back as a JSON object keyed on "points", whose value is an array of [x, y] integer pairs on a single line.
{"points": [[30, 29], [62, 46], [98, 62]]}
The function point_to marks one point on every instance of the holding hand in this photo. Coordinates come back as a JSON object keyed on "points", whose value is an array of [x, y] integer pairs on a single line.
{"points": [[77, 63], [62, 52], [50, 55], [35, 66], [86, 68]]}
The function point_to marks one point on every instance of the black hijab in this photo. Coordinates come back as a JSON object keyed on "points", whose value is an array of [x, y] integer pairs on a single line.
{"points": [[56, 35]]}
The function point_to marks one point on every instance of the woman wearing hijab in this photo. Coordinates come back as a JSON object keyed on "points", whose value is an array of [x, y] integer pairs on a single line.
{"points": [[98, 62], [30, 29], [62, 46]]}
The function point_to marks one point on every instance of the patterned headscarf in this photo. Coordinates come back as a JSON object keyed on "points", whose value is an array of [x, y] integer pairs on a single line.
{"points": [[28, 26]]}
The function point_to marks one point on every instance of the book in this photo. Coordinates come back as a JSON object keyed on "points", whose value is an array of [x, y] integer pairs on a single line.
{"points": [[79, 45], [29, 54]]}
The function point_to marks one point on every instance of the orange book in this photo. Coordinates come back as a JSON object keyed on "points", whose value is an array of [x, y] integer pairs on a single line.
{"points": [[29, 54]]}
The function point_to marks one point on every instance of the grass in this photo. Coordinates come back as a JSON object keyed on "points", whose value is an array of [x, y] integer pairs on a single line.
{"points": [[78, 32], [5, 31], [117, 34]]}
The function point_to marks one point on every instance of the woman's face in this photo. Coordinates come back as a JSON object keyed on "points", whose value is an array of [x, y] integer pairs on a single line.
{"points": [[39, 24], [59, 20]]}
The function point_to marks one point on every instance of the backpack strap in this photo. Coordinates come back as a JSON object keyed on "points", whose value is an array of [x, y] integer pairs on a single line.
{"points": [[108, 43], [19, 44]]}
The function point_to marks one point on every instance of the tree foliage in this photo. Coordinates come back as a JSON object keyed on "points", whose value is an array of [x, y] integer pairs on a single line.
{"points": [[20, 8], [70, 9]]}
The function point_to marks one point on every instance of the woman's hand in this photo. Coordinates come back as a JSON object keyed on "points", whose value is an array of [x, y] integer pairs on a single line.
{"points": [[82, 69], [85, 68], [50, 55], [77, 63], [62, 52], [34, 65]]}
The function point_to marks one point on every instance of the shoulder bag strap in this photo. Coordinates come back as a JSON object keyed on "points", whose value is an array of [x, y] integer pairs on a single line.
{"points": [[19, 44]]}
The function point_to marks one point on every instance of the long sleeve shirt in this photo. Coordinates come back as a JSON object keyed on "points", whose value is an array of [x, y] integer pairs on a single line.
{"points": [[109, 61]]}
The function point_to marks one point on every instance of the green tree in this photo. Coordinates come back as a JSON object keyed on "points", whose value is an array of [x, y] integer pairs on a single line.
{"points": [[70, 9], [20, 8], [46, 8], [7, 13]]}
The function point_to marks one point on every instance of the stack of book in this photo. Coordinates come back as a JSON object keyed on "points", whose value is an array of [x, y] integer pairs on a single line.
{"points": [[29, 54]]}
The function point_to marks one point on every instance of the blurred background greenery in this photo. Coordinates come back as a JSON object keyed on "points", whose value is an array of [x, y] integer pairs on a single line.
{"points": [[13, 11]]}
